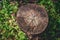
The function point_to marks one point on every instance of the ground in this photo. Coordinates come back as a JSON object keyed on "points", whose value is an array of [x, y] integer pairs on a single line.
{"points": [[9, 29]]}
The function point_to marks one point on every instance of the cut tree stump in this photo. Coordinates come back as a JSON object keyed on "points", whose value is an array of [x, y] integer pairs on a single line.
{"points": [[32, 19]]}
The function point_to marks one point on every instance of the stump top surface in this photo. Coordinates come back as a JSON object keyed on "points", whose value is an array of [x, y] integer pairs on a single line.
{"points": [[32, 18]]}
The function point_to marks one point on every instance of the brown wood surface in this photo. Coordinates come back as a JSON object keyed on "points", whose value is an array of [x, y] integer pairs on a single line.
{"points": [[32, 19]]}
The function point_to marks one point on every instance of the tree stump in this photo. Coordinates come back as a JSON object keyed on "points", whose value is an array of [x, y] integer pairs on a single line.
{"points": [[32, 19]]}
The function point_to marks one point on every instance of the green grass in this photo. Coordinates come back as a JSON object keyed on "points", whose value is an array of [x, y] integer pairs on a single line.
{"points": [[8, 26], [9, 29]]}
